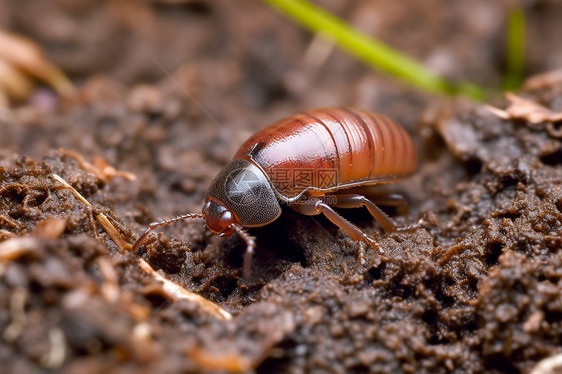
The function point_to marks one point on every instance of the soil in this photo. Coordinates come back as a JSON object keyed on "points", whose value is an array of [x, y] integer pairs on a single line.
{"points": [[476, 288]]}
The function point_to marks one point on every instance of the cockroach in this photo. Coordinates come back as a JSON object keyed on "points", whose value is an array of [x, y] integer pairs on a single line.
{"points": [[313, 161]]}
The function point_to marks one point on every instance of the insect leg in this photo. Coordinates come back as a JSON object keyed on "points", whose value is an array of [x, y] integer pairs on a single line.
{"points": [[351, 230], [250, 247], [357, 201], [155, 225], [380, 195], [396, 200], [390, 199]]}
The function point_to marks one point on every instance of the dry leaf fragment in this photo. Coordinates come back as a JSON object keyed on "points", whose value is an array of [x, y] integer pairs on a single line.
{"points": [[231, 362], [525, 109], [15, 247], [20, 59], [549, 365], [13, 83], [543, 81], [99, 166], [50, 228]]}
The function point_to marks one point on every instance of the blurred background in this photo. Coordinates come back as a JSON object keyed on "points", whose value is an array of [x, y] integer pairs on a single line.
{"points": [[243, 56]]}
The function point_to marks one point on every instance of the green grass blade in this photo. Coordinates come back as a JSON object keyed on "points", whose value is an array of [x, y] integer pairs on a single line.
{"points": [[515, 54], [372, 51]]}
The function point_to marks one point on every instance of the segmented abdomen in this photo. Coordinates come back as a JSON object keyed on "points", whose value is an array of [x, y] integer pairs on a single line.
{"points": [[327, 149]]}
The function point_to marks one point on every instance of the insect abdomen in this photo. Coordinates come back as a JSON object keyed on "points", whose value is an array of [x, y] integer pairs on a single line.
{"points": [[328, 149]]}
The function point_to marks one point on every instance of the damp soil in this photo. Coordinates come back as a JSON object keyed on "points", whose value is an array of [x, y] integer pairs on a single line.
{"points": [[475, 288]]}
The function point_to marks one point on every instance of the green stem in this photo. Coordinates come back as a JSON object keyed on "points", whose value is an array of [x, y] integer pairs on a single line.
{"points": [[371, 51], [515, 54]]}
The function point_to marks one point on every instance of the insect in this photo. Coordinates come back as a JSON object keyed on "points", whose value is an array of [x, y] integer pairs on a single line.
{"points": [[313, 161]]}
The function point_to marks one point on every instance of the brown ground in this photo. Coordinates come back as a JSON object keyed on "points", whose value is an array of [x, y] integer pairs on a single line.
{"points": [[476, 289]]}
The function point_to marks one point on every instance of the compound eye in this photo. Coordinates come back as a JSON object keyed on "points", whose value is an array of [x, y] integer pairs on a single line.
{"points": [[206, 207]]}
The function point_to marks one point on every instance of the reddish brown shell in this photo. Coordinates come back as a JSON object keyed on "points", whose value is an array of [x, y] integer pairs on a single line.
{"points": [[323, 150]]}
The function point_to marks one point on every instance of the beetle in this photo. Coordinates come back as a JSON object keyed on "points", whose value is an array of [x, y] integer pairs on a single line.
{"points": [[313, 161]]}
